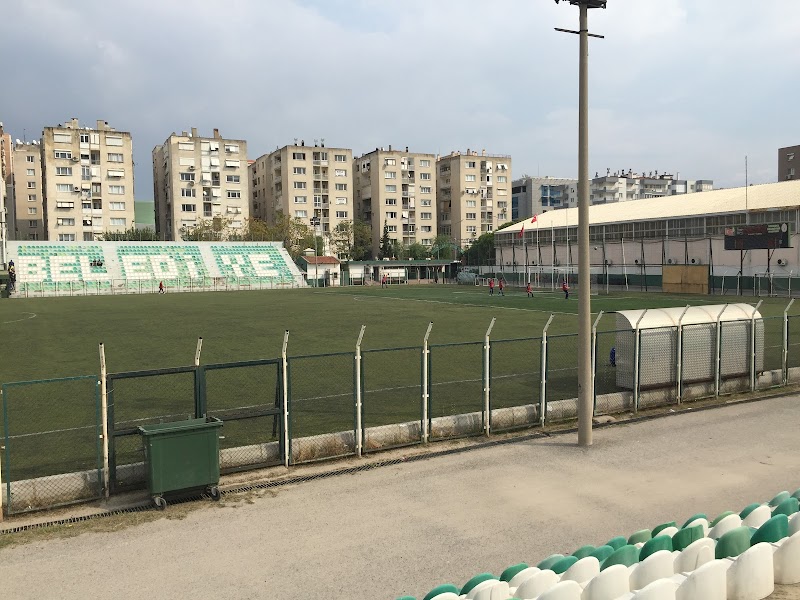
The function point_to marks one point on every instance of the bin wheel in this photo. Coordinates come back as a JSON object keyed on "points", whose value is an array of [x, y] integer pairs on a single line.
{"points": [[160, 503], [213, 491]]}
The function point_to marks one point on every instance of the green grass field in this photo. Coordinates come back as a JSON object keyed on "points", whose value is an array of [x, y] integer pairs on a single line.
{"points": [[58, 337]]}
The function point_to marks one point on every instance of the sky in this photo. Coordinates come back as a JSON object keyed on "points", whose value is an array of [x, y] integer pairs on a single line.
{"points": [[687, 87]]}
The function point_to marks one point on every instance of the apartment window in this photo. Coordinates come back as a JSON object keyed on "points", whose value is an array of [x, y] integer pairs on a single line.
{"points": [[116, 206], [502, 179], [61, 154], [469, 178], [444, 168], [470, 164], [84, 138], [298, 155], [300, 199], [118, 222], [341, 187], [472, 229], [340, 158], [189, 207], [233, 178], [299, 170], [186, 162], [424, 162], [96, 189], [117, 190], [31, 197], [341, 200], [391, 202], [390, 174], [113, 140], [341, 214], [426, 228], [425, 176], [66, 237], [230, 163], [392, 228], [65, 204], [300, 185], [31, 185], [69, 222], [86, 205], [189, 146], [32, 210], [31, 172], [424, 189], [790, 156], [425, 216], [188, 193], [471, 216], [391, 189], [62, 138], [470, 203], [64, 171], [425, 202], [232, 148], [86, 173], [115, 157], [341, 172], [389, 162], [300, 214], [391, 215], [234, 194], [187, 176]]}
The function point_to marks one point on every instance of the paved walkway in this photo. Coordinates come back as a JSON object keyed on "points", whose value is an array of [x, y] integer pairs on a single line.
{"points": [[403, 529]]}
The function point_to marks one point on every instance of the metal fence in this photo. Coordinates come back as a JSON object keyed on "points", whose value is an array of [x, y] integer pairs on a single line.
{"points": [[292, 410]]}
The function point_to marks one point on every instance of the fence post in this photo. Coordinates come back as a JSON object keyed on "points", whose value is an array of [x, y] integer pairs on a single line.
{"points": [[543, 369], [487, 380], [594, 360], [637, 355], [200, 408], [753, 347], [785, 363], [718, 367], [4, 450], [285, 394], [358, 432], [679, 352], [104, 416], [425, 389]]}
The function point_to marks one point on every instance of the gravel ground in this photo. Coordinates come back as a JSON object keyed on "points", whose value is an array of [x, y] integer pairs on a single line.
{"points": [[403, 529]]}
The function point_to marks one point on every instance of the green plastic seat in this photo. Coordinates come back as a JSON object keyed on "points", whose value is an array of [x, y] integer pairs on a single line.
{"points": [[779, 498], [616, 542], [653, 545], [788, 507], [694, 518], [640, 537], [562, 565], [548, 562], [686, 536], [602, 552], [627, 555], [583, 551], [748, 509], [406, 598], [479, 578], [511, 571], [441, 589], [659, 528], [733, 543], [721, 516], [776, 528], [796, 493]]}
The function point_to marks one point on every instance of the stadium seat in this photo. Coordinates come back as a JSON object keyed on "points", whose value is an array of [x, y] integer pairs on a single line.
{"points": [[758, 516], [751, 576], [548, 562], [602, 553], [441, 589], [653, 545], [693, 518], [610, 584], [779, 498], [788, 507], [786, 559], [563, 564], [659, 528], [491, 589], [564, 590], [513, 571], [535, 586], [476, 580], [523, 576], [662, 589], [617, 542], [582, 571], [794, 524], [719, 518], [707, 582], [583, 551], [626, 555], [733, 543], [656, 566], [694, 556], [748, 509], [686, 536], [724, 525], [640, 537], [773, 530]]}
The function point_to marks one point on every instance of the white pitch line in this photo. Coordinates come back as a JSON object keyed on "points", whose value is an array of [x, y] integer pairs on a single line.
{"points": [[32, 316], [468, 304]]}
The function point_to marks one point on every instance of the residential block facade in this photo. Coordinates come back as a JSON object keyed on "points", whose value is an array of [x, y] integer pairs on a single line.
{"points": [[197, 179], [535, 195], [624, 186], [789, 163], [473, 194], [87, 181], [397, 188], [27, 198]]}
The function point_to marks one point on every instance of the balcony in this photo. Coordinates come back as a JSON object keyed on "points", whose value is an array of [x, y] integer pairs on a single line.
{"points": [[320, 176], [320, 163], [409, 179]]}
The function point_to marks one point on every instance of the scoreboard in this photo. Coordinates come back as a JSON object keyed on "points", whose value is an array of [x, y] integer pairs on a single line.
{"points": [[757, 237]]}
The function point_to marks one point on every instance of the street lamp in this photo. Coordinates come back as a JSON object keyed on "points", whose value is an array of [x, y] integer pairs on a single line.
{"points": [[585, 388]]}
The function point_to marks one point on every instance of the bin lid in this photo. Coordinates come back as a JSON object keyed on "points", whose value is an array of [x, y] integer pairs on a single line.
{"points": [[171, 426], [668, 317]]}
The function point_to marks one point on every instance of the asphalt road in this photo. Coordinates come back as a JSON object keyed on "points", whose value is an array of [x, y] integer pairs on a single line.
{"points": [[403, 529]]}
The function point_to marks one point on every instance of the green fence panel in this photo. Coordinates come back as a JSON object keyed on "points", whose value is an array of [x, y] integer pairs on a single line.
{"points": [[515, 383], [247, 397], [391, 395], [456, 375], [52, 438], [562, 377], [321, 406], [773, 353], [735, 349]]}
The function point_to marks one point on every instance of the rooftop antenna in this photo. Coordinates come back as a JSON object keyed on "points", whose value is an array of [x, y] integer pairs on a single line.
{"points": [[24, 137], [295, 141], [322, 142]]}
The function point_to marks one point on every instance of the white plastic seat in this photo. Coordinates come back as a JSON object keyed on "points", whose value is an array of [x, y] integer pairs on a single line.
{"points": [[483, 585], [582, 571], [564, 590], [535, 586], [695, 555], [794, 524], [660, 589], [707, 582], [751, 576], [658, 565], [522, 576], [497, 591], [703, 522], [786, 560], [758, 516], [724, 526], [447, 596], [609, 585], [669, 531]]}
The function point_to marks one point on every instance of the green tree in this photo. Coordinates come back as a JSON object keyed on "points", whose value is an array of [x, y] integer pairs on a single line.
{"points": [[417, 251], [362, 241], [481, 252], [387, 247], [443, 247], [342, 240], [216, 229], [132, 234], [295, 235]]}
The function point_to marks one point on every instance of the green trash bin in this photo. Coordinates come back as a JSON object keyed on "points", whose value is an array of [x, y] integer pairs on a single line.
{"points": [[182, 456]]}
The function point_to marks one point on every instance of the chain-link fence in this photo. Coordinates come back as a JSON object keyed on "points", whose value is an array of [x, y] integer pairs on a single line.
{"points": [[698, 360], [391, 397], [321, 406], [773, 353], [793, 350], [247, 397], [735, 353], [456, 390], [52, 442], [515, 368], [561, 387], [605, 381]]}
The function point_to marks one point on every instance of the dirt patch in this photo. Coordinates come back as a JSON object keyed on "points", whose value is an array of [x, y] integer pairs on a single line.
{"points": [[786, 592]]}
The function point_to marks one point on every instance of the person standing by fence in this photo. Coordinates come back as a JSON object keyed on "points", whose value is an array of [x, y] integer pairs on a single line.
{"points": [[491, 286], [565, 289], [529, 290], [383, 281], [501, 285]]}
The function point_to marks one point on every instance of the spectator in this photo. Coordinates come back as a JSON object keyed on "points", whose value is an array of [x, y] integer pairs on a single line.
{"points": [[565, 289], [161, 287], [502, 285], [491, 286], [529, 290]]}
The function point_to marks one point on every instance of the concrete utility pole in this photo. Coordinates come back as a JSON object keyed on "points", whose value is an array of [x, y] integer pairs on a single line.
{"points": [[585, 387]]}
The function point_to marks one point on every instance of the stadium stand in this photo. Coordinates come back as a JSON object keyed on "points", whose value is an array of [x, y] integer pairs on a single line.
{"points": [[50, 268], [741, 563]]}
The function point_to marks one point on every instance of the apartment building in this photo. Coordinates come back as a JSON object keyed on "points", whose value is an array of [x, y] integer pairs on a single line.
{"points": [[789, 163], [311, 183], [625, 186], [397, 188], [536, 195], [27, 197], [473, 194], [197, 179], [87, 181], [6, 206]]}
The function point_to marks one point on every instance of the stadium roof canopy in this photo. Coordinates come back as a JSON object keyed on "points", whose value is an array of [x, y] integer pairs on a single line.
{"points": [[754, 198]]}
